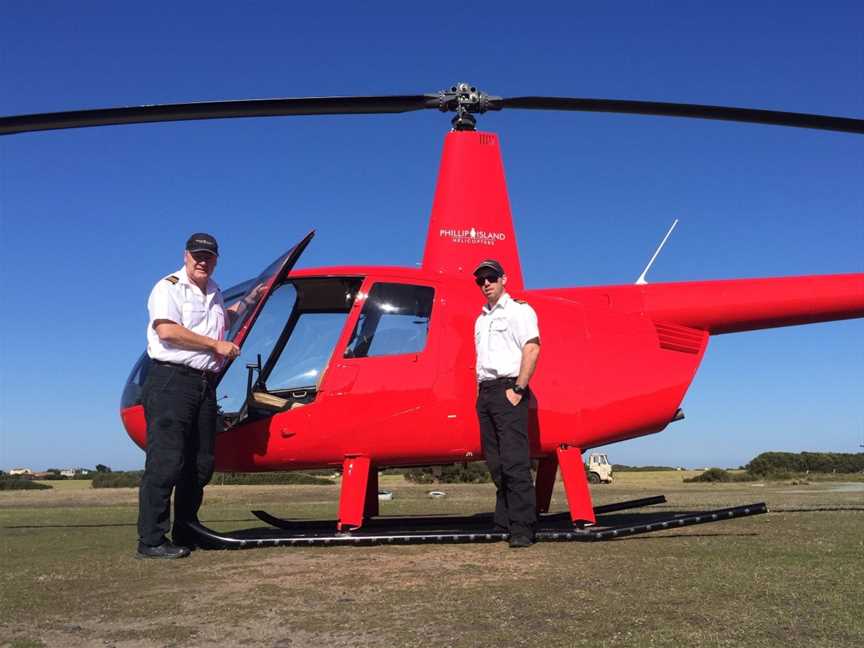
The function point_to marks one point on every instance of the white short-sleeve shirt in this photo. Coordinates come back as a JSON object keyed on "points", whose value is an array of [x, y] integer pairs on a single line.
{"points": [[179, 300], [500, 332]]}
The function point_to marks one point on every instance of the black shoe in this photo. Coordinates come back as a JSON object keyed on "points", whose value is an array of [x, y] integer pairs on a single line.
{"points": [[165, 550], [520, 541]]}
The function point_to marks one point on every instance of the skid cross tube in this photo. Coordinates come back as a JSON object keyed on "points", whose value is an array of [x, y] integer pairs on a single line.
{"points": [[440, 530]]}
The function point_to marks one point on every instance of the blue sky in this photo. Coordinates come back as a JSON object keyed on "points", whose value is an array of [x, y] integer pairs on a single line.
{"points": [[91, 218]]}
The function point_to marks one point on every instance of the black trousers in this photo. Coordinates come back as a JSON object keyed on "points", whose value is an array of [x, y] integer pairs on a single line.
{"points": [[504, 435], [180, 408]]}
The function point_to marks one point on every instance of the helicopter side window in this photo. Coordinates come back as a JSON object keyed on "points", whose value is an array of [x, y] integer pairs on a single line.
{"points": [[394, 320]]}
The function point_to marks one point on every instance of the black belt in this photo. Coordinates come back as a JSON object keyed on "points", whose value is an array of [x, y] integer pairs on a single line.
{"points": [[189, 371], [497, 382]]}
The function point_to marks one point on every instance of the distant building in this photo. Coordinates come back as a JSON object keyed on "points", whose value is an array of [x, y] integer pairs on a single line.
{"points": [[20, 471], [71, 472]]}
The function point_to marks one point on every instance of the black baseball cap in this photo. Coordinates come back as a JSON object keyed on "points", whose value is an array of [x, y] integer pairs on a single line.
{"points": [[201, 242], [489, 264]]}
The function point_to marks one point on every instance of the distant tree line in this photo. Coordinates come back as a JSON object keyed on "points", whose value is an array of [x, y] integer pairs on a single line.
{"points": [[132, 478], [788, 465], [312, 477], [770, 463]]}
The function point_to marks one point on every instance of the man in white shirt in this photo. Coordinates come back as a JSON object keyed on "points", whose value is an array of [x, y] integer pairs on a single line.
{"points": [[507, 340], [187, 346]]}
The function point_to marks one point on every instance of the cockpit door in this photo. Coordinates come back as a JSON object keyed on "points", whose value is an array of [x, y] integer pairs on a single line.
{"points": [[260, 290]]}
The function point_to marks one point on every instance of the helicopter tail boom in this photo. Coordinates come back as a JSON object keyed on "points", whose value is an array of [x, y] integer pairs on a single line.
{"points": [[732, 306]]}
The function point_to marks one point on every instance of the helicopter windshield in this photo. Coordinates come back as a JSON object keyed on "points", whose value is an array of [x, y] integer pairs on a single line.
{"points": [[294, 335]]}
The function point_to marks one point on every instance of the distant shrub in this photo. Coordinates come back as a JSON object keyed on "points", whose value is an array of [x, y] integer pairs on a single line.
{"points": [[472, 473], [720, 475], [423, 475], [128, 479], [711, 475], [8, 483]]}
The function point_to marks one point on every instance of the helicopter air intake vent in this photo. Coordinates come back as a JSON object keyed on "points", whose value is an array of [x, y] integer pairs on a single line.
{"points": [[683, 339]]}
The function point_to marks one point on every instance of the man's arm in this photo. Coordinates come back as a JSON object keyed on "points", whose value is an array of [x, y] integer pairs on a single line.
{"points": [[530, 354], [180, 336]]}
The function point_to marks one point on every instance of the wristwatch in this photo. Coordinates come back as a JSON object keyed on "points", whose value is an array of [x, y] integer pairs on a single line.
{"points": [[520, 390]]}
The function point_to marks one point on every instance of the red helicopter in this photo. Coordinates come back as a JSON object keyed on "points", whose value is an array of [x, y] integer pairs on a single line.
{"points": [[366, 368]]}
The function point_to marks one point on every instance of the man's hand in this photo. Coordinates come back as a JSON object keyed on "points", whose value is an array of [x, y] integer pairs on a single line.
{"points": [[513, 397], [242, 305], [227, 349], [255, 293]]}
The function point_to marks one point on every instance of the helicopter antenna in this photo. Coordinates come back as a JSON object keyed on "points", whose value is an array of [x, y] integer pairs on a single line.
{"points": [[641, 280]]}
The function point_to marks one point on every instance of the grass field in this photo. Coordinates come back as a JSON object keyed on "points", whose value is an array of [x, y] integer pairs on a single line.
{"points": [[792, 577]]}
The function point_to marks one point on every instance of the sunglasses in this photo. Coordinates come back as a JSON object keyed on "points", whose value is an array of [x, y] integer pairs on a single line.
{"points": [[482, 279]]}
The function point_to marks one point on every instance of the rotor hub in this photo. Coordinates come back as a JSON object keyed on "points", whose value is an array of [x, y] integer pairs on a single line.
{"points": [[466, 101]]}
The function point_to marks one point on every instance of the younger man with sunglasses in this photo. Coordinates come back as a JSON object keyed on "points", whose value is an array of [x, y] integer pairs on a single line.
{"points": [[507, 340]]}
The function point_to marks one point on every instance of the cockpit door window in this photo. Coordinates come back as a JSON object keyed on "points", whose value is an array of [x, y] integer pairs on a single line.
{"points": [[259, 290], [394, 321]]}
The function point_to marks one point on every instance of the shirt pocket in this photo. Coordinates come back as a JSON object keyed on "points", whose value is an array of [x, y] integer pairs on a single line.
{"points": [[193, 314], [499, 331]]}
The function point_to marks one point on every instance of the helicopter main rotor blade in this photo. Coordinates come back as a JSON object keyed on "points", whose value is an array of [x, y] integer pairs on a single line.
{"points": [[217, 110], [461, 98], [748, 115]]}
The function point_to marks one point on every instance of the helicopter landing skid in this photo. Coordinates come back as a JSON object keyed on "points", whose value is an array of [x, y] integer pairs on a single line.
{"points": [[461, 529], [483, 521]]}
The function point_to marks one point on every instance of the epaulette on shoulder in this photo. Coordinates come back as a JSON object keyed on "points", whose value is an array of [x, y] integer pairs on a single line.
{"points": [[172, 279], [520, 301]]}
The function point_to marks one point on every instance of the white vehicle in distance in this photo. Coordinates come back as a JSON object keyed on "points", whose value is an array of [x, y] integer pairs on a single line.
{"points": [[599, 469]]}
